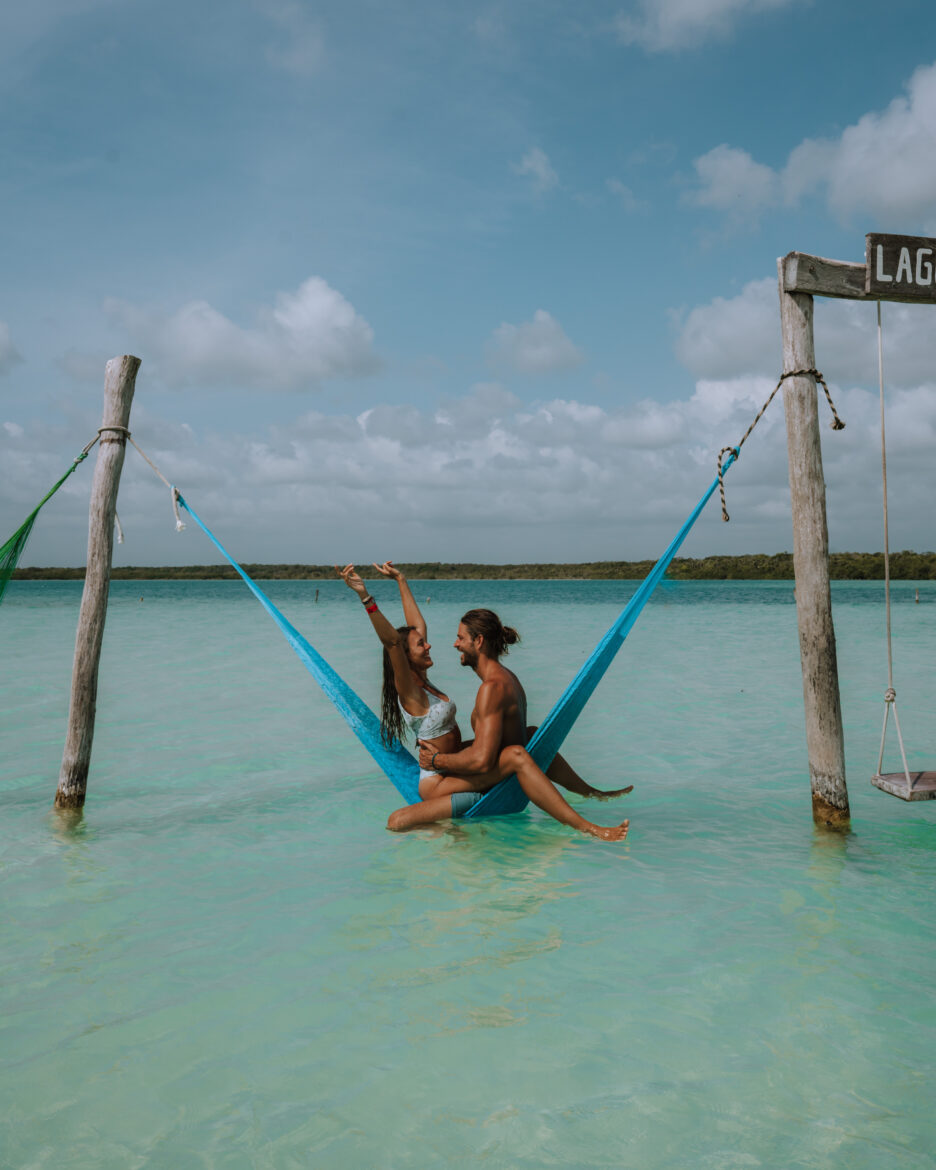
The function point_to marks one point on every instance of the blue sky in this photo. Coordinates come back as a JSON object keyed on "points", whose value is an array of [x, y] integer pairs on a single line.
{"points": [[454, 282]]}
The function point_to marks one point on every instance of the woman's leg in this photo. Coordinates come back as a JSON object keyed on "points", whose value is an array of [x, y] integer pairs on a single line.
{"points": [[546, 796], [424, 812], [561, 772]]}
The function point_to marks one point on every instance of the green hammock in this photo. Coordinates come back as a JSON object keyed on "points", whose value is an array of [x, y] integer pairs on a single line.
{"points": [[12, 549]]}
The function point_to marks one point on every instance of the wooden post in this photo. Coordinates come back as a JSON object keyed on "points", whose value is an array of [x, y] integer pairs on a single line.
{"points": [[825, 741], [119, 385]]}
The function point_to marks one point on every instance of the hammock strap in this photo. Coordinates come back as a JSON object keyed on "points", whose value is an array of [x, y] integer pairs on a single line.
{"points": [[396, 761], [400, 767]]}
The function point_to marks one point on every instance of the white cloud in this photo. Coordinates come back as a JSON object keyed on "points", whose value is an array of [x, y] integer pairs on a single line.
{"points": [[9, 355], [300, 48], [883, 166], [536, 164], [659, 25], [484, 477], [533, 347], [732, 182], [733, 336], [307, 336], [628, 200], [473, 415], [740, 336]]}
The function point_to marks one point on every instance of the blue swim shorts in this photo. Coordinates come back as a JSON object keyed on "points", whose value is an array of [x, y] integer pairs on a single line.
{"points": [[463, 801]]}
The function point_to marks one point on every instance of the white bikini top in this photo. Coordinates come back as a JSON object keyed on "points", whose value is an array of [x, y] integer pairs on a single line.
{"points": [[439, 719]]}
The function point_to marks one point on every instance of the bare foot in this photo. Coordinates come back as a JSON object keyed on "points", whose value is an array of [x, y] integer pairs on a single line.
{"points": [[608, 794], [609, 832]]}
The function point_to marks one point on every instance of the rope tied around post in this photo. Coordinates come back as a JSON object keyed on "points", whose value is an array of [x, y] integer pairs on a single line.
{"points": [[836, 424], [120, 431]]}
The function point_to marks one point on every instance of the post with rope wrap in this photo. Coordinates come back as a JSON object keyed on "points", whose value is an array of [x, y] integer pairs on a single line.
{"points": [[825, 740], [119, 384]]}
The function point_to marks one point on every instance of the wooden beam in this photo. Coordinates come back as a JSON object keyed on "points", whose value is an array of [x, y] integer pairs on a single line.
{"points": [[816, 276], [825, 740], [119, 383]]}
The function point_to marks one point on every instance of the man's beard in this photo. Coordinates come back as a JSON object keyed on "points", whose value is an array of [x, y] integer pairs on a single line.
{"points": [[469, 659]]}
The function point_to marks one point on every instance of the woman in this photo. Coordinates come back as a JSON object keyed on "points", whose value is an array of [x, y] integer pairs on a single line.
{"points": [[410, 703]]}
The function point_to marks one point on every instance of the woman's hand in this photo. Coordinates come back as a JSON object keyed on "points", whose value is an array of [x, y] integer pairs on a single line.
{"points": [[388, 570], [352, 580]]}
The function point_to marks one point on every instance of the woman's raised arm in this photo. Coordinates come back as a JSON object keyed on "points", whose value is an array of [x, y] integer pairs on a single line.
{"points": [[385, 632], [411, 611], [392, 642]]}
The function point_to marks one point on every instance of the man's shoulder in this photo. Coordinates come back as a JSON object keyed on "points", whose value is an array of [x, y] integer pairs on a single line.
{"points": [[501, 684]]}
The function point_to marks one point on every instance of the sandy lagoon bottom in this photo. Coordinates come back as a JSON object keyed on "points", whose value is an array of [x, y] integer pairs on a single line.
{"points": [[231, 963]]}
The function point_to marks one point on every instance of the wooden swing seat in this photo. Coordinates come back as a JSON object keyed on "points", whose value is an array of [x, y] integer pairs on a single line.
{"points": [[923, 785]]}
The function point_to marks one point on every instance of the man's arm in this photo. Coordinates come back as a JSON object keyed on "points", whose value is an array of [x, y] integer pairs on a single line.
{"points": [[480, 756]]}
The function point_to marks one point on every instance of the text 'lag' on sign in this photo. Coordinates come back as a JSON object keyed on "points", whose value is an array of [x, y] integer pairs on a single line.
{"points": [[902, 267]]}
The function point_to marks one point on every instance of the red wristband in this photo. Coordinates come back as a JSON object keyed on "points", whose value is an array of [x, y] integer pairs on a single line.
{"points": [[372, 608]]}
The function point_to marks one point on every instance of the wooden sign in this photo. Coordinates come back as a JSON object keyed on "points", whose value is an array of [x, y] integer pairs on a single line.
{"points": [[900, 267]]}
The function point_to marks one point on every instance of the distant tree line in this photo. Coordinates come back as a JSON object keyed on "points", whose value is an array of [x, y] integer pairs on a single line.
{"points": [[906, 566]]}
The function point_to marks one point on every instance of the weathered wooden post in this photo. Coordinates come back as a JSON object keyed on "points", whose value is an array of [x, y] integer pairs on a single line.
{"points": [[825, 740], [896, 268], [119, 384]]}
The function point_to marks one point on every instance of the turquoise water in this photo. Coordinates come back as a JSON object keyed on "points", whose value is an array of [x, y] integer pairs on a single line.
{"points": [[231, 963]]}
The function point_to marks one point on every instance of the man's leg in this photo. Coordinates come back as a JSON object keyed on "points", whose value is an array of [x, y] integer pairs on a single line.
{"points": [[561, 772], [431, 786], [546, 796]]}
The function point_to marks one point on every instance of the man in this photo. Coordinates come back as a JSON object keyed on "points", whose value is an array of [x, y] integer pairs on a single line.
{"points": [[499, 722]]}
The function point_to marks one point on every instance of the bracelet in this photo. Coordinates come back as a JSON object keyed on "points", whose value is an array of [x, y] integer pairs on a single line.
{"points": [[433, 760], [367, 599], [372, 608]]}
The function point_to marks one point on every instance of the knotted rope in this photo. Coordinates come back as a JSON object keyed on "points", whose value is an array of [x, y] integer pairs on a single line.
{"points": [[837, 424], [173, 491]]}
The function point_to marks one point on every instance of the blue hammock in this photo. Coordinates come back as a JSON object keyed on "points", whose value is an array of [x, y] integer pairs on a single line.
{"points": [[396, 762]]}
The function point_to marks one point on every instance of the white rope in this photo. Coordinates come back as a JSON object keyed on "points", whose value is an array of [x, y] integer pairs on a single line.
{"points": [[890, 695], [173, 493]]}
